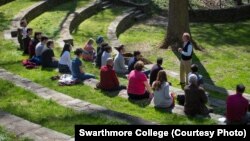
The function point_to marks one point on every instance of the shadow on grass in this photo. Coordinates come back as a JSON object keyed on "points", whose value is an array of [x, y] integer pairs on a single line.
{"points": [[141, 103]]}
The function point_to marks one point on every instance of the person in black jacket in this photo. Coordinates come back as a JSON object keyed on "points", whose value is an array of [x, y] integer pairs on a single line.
{"points": [[155, 69], [27, 40], [48, 56]]}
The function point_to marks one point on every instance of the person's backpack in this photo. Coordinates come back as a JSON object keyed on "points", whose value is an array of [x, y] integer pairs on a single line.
{"points": [[181, 99]]}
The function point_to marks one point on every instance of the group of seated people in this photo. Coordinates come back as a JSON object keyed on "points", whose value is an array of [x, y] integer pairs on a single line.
{"points": [[40, 50]]}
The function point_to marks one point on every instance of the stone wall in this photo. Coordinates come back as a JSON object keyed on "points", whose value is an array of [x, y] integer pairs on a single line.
{"points": [[2, 2]]}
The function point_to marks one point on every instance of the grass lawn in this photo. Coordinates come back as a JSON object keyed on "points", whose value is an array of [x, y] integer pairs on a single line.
{"points": [[47, 113], [10, 60], [225, 59], [6, 136], [46, 21]]}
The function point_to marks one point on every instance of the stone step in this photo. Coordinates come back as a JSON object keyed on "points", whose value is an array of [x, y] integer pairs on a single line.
{"points": [[107, 6], [140, 17], [105, 2]]}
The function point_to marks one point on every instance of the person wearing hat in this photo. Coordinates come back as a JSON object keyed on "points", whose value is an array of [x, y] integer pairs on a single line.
{"points": [[195, 98], [119, 63], [100, 45]]}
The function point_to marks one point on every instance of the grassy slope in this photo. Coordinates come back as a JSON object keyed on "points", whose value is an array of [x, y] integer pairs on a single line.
{"points": [[6, 136], [47, 113], [227, 50], [46, 21]]}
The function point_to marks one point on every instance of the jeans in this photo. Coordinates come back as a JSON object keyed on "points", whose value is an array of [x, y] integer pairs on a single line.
{"points": [[85, 76]]}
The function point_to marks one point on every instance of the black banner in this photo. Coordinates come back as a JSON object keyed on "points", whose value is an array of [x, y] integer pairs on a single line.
{"points": [[159, 132]]}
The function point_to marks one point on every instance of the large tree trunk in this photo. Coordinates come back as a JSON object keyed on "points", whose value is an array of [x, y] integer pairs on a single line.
{"points": [[178, 23]]}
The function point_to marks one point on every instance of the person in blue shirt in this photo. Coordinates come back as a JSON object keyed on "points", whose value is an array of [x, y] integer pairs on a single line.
{"points": [[77, 71]]}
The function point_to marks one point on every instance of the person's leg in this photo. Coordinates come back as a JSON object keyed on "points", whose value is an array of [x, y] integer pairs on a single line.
{"points": [[87, 76], [182, 72], [54, 64], [187, 69]]}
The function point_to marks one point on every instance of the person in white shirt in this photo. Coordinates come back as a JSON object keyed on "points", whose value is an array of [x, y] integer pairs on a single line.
{"points": [[65, 60], [186, 58], [106, 54], [119, 63]]}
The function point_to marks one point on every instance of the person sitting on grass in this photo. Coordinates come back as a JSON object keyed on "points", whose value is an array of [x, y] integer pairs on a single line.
{"points": [[65, 60], [100, 45], [106, 54], [48, 56], [237, 107], [133, 60], [77, 71], [194, 70], [89, 51], [195, 98], [119, 64], [33, 43], [138, 86], [162, 96], [40, 46], [108, 78], [154, 71], [27, 40]]}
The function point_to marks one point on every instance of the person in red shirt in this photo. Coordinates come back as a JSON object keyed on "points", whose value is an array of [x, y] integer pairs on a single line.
{"points": [[108, 78], [237, 107]]}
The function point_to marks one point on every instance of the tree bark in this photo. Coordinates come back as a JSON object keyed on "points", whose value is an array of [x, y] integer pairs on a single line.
{"points": [[178, 23]]}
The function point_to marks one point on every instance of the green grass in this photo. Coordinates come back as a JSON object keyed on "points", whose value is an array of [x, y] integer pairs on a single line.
{"points": [[96, 25], [46, 22], [6, 136], [225, 59], [47, 113]]}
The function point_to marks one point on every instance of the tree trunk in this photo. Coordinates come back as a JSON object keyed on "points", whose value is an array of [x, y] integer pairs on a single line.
{"points": [[178, 23], [238, 2]]}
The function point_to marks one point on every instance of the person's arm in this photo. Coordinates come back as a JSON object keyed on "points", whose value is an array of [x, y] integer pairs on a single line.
{"points": [[148, 87], [121, 63], [189, 51]]}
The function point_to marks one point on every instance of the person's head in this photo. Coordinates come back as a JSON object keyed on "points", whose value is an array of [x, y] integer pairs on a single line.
{"points": [[67, 47], [23, 23], [139, 65], [29, 31], [44, 39], [78, 52], [137, 54], [50, 44], [159, 61], [90, 41], [110, 62], [194, 68], [192, 79], [240, 88], [108, 49], [186, 37], [103, 45], [99, 40], [38, 36], [161, 77], [120, 49]]}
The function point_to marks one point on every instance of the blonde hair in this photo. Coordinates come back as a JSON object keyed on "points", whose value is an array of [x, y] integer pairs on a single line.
{"points": [[187, 35], [91, 40], [139, 65]]}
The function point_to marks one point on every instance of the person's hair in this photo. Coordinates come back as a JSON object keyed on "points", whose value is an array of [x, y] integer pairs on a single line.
{"points": [[90, 41], [194, 68], [192, 79], [240, 88], [22, 22], [36, 34], [137, 53], [120, 48], [29, 29], [107, 48], [109, 60], [103, 45], [78, 51], [139, 65], [49, 43], [99, 40], [187, 35], [44, 38], [159, 61], [66, 48], [161, 78]]}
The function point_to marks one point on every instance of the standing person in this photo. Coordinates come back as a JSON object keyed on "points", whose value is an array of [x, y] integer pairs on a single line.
{"points": [[108, 78], [33, 43], [237, 107], [65, 60], [195, 98], [106, 54], [162, 96], [22, 33], [119, 64], [194, 70], [100, 45], [155, 69], [27, 40], [138, 86], [186, 58], [77, 71], [89, 51], [48, 56]]}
